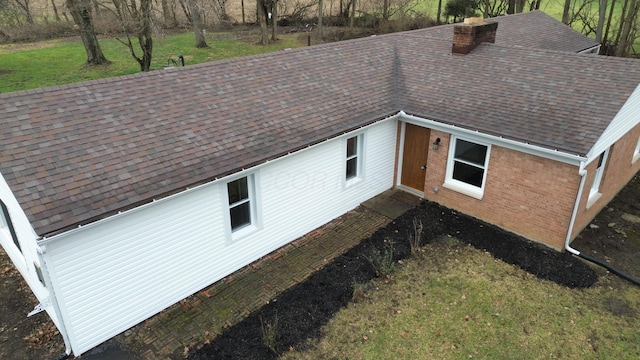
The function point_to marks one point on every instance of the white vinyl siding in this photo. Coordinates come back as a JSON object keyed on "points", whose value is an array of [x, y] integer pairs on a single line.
{"points": [[467, 166], [22, 234], [112, 274]]}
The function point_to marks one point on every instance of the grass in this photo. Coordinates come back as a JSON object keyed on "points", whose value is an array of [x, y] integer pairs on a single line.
{"points": [[61, 61], [453, 301]]}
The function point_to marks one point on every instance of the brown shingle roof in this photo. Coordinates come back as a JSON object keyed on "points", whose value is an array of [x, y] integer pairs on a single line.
{"points": [[531, 30], [75, 153]]}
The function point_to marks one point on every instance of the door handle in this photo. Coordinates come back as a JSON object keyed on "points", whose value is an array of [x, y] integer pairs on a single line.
{"points": [[423, 167]]}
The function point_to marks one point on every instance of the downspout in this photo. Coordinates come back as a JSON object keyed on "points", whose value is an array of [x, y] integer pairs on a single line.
{"points": [[583, 176], [54, 302]]}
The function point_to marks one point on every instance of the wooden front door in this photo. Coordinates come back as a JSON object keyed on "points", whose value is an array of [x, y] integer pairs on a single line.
{"points": [[414, 156]]}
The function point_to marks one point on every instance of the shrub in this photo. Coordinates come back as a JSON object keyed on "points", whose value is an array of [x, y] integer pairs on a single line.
{"points": [[416, 236], [382, 261], [269, 331]]}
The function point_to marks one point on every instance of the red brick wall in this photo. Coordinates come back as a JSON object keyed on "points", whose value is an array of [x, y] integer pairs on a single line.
{"points": [[525, 194], [617, 172]]}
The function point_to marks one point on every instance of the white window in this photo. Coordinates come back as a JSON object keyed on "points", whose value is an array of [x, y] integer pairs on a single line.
{"points": [[595, 194], [6, 226], [353, 163], [467, 167], [242, 205], [39, 273], [636, 153]]}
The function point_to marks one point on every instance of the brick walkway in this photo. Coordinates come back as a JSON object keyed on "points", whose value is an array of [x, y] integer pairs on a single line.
{"points": [[202, 316]]}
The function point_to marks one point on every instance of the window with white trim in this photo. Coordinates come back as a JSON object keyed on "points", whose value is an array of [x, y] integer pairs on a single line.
{"points": [[597, 178], [636, 152], [353, 167], [467, 167], [241, 197], [6, 226]]}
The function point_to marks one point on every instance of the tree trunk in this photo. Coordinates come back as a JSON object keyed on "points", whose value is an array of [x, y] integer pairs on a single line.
{"points": [[565, 12], [262, 18], [605, 37], [320, 14], [26, 10], [168, 15], [439, 13], [385, 10], [81, 12], [626, 40], [145, 38], [185, 9], [353, 13], [511, 6], [625, 5], [197, 24], [243, 18], [520, 6], [602, 14], [55, 10], [274, 20]]}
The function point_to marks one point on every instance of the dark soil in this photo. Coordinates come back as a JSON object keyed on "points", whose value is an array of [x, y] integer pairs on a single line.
{"points": [[21, 337], [301, 311]]}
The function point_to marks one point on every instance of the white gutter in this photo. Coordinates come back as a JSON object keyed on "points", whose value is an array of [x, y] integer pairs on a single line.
{"points": [[536, 150], [583, 176]]}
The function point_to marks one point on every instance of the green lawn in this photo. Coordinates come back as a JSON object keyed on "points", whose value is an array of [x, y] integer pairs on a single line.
{"points": [[456, 302], [61, 61]]}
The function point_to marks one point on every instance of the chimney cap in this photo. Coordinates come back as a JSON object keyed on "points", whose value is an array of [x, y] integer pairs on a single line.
{"points": [[473, 20]]}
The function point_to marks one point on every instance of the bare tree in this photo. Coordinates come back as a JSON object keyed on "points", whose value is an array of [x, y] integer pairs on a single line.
{"points": [[353, 13], [274, 20], [320, 30], [197, 24], [627, 29], [605, 37], [185, 8], [565, 11], [168, 13], [55, 10], [602, 14], [137, 18], [261, 8], [491, 8], [25, 8], [81, 12]]}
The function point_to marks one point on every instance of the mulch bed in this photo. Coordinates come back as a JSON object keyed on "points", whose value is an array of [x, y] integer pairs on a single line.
{"points": [[302, 310]]}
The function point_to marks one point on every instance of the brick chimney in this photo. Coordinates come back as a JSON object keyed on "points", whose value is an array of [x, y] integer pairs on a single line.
{"points": [[471, 33]]}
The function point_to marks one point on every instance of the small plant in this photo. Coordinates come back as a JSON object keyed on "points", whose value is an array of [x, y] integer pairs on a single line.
{"points": [[269, 331], [414, 238], [382, 261], [359, 291]]}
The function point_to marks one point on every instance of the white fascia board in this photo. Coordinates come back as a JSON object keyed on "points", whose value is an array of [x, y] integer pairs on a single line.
{"points": [[237, 174], [626, 119], [475, 135]]}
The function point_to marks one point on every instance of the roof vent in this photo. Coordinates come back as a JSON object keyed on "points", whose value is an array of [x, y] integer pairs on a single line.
{"points": [[473, 31]]}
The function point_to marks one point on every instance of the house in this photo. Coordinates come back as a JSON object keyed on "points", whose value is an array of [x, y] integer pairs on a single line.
{"points": [[120, 197]]}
